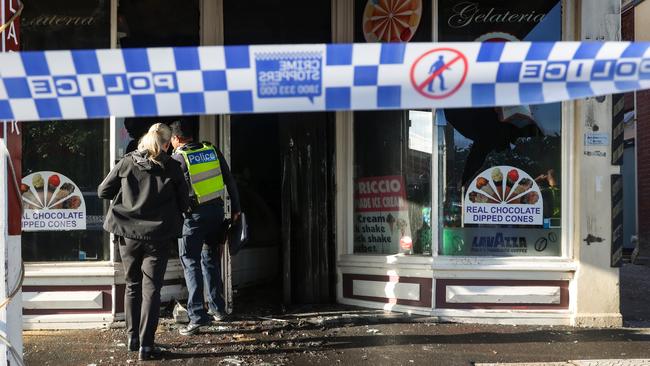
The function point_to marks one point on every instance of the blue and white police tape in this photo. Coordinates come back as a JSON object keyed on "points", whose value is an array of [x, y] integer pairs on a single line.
{"points": [[84, 84]]}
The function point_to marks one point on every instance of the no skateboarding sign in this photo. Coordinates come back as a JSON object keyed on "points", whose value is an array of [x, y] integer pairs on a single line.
{"points": [[439, 73]]}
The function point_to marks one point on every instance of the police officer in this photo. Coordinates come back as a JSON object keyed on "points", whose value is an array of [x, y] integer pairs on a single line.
{"points": [[207, 174]]}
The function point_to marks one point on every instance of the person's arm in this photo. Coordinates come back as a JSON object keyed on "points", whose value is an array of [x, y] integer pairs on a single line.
{"points": [[229, 181], [186, 173], [109, 187], [183, 190]]}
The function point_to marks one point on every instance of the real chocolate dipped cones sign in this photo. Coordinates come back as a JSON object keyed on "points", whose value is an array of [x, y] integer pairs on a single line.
{"points": [[52, 202], [503, 195]]}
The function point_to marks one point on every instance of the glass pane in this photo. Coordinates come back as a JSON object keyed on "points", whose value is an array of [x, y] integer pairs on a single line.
{"points": [[500, 167], [392, 149], [392, 174], [64, 161], [72, 24]]}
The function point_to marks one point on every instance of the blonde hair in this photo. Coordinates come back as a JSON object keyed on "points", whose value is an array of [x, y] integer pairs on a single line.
{"points": [[153, 141]]}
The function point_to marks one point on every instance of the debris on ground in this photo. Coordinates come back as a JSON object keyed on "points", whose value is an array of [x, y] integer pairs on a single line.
{"points": [[262, 334]]}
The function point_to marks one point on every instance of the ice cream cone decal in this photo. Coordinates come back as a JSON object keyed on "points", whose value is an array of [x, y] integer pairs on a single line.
{"points": [[503, 195], [511, 179], [37, 185], [484, 185], [497, 179]]}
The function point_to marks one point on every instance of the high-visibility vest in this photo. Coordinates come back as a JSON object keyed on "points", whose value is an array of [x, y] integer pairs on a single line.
{"points": [[204, 170]]}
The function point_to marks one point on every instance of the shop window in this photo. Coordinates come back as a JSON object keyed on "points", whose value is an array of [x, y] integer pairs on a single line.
{"points": [[64, 161], [500, 168], [392, 149], [392, 174]]}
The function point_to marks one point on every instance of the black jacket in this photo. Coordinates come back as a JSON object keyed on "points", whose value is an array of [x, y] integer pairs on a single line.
{"points": [[228, 178], [148, 199]]}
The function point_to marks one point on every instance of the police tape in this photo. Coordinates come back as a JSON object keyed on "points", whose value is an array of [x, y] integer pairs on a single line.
{"points": [[84, 84]]}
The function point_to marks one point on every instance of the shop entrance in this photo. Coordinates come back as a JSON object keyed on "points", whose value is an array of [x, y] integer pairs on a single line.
{"points": [[283, 164]]}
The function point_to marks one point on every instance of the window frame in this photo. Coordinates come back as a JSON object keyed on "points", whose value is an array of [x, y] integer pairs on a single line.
{"points": [[343, 29], [568, 130]]}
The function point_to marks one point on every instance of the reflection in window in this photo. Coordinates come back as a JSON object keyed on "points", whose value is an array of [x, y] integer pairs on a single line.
{"points": [[392, 174], [501, 189], [55, 151], [74, 150], [499, 179]]}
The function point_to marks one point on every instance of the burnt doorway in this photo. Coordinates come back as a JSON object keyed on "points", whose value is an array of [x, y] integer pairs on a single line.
{"points": [[284, 165], [308, 255]]}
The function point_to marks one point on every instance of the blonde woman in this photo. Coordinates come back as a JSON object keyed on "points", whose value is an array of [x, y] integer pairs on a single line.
{"points": [[149, 196]]}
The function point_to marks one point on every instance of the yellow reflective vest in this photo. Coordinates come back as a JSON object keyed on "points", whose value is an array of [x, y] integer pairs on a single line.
{"points": [[204, 171]]}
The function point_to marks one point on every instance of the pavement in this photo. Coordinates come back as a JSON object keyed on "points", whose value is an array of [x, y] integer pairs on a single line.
{"points": [[617, 362], [266, 333]]}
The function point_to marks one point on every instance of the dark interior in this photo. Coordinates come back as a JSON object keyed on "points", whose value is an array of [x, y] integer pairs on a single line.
{"points": [[283, 163]]}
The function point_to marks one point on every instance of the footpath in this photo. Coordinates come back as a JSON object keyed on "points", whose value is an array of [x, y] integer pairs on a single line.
{"points": [[266, 334]]}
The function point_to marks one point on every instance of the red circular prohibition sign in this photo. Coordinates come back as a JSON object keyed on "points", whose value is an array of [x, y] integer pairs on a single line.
{"points": [[419, 88]]}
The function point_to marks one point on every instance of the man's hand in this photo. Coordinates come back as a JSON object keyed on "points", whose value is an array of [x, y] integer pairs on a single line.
{"points": [[235, 216]]}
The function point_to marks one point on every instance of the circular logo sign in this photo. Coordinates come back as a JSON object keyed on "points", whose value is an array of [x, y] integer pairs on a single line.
{"points": [[391, 21], [439, 73]]}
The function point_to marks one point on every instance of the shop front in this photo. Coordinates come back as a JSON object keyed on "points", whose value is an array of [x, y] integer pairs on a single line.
{"points": [[480, 215]]}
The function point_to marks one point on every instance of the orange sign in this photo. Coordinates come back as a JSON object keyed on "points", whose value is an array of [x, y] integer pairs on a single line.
{"points": [[391, 20]]}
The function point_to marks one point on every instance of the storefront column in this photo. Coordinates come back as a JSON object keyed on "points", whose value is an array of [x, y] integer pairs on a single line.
{"points": [[342, 31], [211, 35], [10, 227], [596, 284]]}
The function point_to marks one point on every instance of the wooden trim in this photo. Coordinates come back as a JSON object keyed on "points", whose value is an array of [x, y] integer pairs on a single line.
{"points": [[106, 299], [441, 298], [426, 285]]}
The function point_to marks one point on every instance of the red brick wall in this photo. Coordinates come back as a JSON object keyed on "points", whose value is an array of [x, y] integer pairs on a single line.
{"points": [[643, 163], [642, 145]]}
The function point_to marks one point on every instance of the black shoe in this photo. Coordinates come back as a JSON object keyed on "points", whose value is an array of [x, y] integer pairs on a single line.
{"points": [[133, 344], [150, 353]]}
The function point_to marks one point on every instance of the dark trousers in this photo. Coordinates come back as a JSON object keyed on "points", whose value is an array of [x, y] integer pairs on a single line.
{"points": [[200, 255], [145, 263]]}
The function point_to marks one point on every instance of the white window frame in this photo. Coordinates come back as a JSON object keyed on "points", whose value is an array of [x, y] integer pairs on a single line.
{"points": [[343, 31], [565, 260]]}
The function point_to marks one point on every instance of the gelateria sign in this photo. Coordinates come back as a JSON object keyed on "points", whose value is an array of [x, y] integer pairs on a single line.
{"points": [[381, 223], [469, 12], [503, 195], [52, 202]]}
